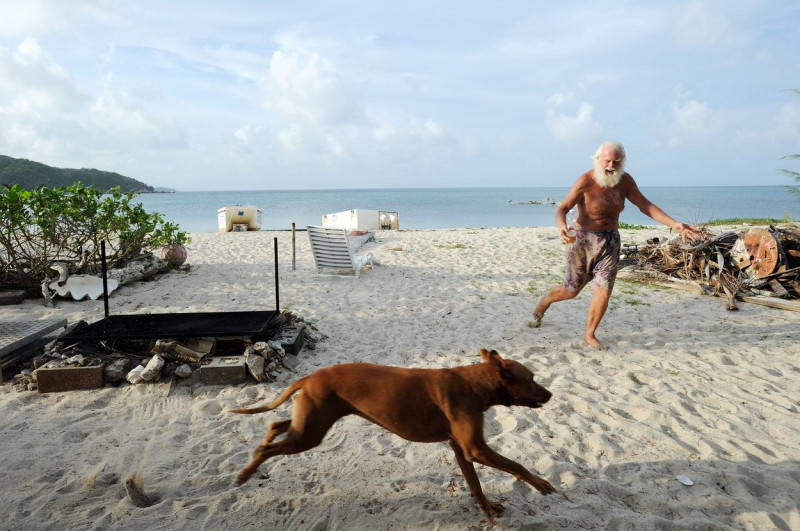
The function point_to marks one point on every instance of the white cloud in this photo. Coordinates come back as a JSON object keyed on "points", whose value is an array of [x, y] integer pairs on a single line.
{"points": [[32, 81], [432, 130], [559, 98], [698, 26], [302, 87], [573, 129], [693, 120], [31, 17]]}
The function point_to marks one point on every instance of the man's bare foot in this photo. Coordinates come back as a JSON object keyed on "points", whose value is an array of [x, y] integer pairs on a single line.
{"points": [[537, 320], [594, 342]]}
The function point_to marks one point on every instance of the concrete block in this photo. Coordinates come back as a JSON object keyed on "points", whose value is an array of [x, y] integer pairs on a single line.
{"points": [[292, 338], [69, 378], [224, 370]]}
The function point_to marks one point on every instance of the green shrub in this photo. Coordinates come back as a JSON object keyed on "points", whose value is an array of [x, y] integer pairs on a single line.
{"points": [[66, 224]]}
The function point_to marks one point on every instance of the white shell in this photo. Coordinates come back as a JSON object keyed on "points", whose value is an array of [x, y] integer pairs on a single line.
{"points": [[686, 481], [81, 286]]}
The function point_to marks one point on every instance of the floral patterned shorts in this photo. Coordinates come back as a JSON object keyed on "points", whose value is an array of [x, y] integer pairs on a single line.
{"points": [[595, 254]]}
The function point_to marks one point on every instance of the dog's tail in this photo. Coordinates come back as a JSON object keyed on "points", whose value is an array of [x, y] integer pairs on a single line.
{"points": [[292, 389]]}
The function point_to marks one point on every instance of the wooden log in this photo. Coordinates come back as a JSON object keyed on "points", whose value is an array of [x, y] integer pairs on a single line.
{"points": [[773, 302], [138, 270]]}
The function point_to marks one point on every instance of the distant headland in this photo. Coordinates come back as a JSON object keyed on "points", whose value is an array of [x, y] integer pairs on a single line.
{"points": [[29, 175]]}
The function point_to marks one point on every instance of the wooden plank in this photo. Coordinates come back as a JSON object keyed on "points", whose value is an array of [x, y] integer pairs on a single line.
{"points": [[773, 302]]}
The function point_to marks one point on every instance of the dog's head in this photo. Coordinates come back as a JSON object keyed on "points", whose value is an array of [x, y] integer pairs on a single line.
{"points": [[517, 387]]}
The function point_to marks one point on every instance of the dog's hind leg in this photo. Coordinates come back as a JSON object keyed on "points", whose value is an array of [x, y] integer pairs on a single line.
{"points": [[277, 428], [304, 431], [468, 469]]}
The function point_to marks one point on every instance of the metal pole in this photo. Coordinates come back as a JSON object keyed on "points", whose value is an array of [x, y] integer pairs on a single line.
{"points": [[277, 292], [294, 254], [105, 279]]}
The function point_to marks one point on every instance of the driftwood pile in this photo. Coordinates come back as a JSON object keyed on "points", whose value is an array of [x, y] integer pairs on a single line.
{"points": [[754, 265]]}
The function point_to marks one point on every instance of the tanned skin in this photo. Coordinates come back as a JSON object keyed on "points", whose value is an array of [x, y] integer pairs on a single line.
{"points": [[598, 209]]}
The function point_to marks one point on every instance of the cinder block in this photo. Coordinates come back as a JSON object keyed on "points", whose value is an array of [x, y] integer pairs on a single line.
{"points": [[292, 338], [58, 379], [224, 370]]}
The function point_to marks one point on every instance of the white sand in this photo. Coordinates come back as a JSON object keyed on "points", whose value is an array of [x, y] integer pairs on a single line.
{"points": [[687, 388]]}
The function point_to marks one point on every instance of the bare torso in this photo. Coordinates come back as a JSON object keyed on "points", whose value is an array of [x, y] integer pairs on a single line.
{"points": [[599, 208]]}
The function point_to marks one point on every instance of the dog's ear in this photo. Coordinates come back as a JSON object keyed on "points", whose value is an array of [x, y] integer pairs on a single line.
{"points": [[495, 362], [487, 355]]}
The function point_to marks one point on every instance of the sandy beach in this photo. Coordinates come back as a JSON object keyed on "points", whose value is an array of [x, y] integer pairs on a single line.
{"points": [[686, 389]]}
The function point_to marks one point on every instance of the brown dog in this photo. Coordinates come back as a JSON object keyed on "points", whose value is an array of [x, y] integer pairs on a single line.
{"points": [[421, 405]]}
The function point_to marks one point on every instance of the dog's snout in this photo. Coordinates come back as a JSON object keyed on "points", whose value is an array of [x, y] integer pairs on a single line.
{"points": [[547, 395]]}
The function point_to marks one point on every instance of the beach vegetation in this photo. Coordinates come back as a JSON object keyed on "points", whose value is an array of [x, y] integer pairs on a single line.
{"points": [[531, 288], [749, 221], [452, 246], [45, 226], [628, 226], [636, 302]]}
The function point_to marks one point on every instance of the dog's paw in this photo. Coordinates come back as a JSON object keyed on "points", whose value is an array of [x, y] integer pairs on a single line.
{"points": [[544, 486], [491, 508]]}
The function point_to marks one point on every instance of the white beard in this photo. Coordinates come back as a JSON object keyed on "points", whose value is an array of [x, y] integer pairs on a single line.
{"points": [[607, 180]]}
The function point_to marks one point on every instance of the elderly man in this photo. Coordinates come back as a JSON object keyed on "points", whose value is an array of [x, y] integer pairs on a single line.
{"points": [[599, 195]]}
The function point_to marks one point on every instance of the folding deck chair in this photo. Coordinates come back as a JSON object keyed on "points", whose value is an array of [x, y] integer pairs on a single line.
{"points": [[331, 249]]}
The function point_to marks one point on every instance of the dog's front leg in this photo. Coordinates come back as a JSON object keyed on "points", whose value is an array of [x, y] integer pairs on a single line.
{"points": [[486, 456], [468, 469]]}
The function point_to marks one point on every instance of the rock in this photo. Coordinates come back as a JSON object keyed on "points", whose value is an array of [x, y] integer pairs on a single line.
{"points": [[115, 372], [255, 366], [290, 361], [277, 347], [314, 335], [184, 371], [77, 358]]}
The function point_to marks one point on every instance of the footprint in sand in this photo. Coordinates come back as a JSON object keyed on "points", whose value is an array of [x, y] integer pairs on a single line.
{"points": [[641, 380], [134, 486]]}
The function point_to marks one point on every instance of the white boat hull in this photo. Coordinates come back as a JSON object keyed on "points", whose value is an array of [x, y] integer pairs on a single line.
{"points": [[237, 218]]}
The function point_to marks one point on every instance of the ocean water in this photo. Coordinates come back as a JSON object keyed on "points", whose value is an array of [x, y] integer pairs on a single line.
{"points": [[437, 208]]}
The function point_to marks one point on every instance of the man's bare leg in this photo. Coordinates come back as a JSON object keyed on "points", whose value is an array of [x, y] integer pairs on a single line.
{"points": [[557, 294], [597, 309]]}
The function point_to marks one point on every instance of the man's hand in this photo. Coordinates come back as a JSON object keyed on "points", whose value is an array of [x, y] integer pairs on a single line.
{"points": [[687, 231]]}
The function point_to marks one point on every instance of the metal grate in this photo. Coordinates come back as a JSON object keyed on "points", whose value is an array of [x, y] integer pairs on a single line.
{"points": [[17, 334]]}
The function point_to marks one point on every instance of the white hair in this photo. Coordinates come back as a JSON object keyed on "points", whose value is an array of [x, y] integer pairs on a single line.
{"points": [[617, 146]]}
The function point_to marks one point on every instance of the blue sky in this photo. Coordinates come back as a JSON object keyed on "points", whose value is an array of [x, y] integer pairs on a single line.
{"points": [[240, 95]]}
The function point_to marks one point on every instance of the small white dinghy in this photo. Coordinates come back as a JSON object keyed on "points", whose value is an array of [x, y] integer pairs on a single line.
{"points": [[239, 218]]}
